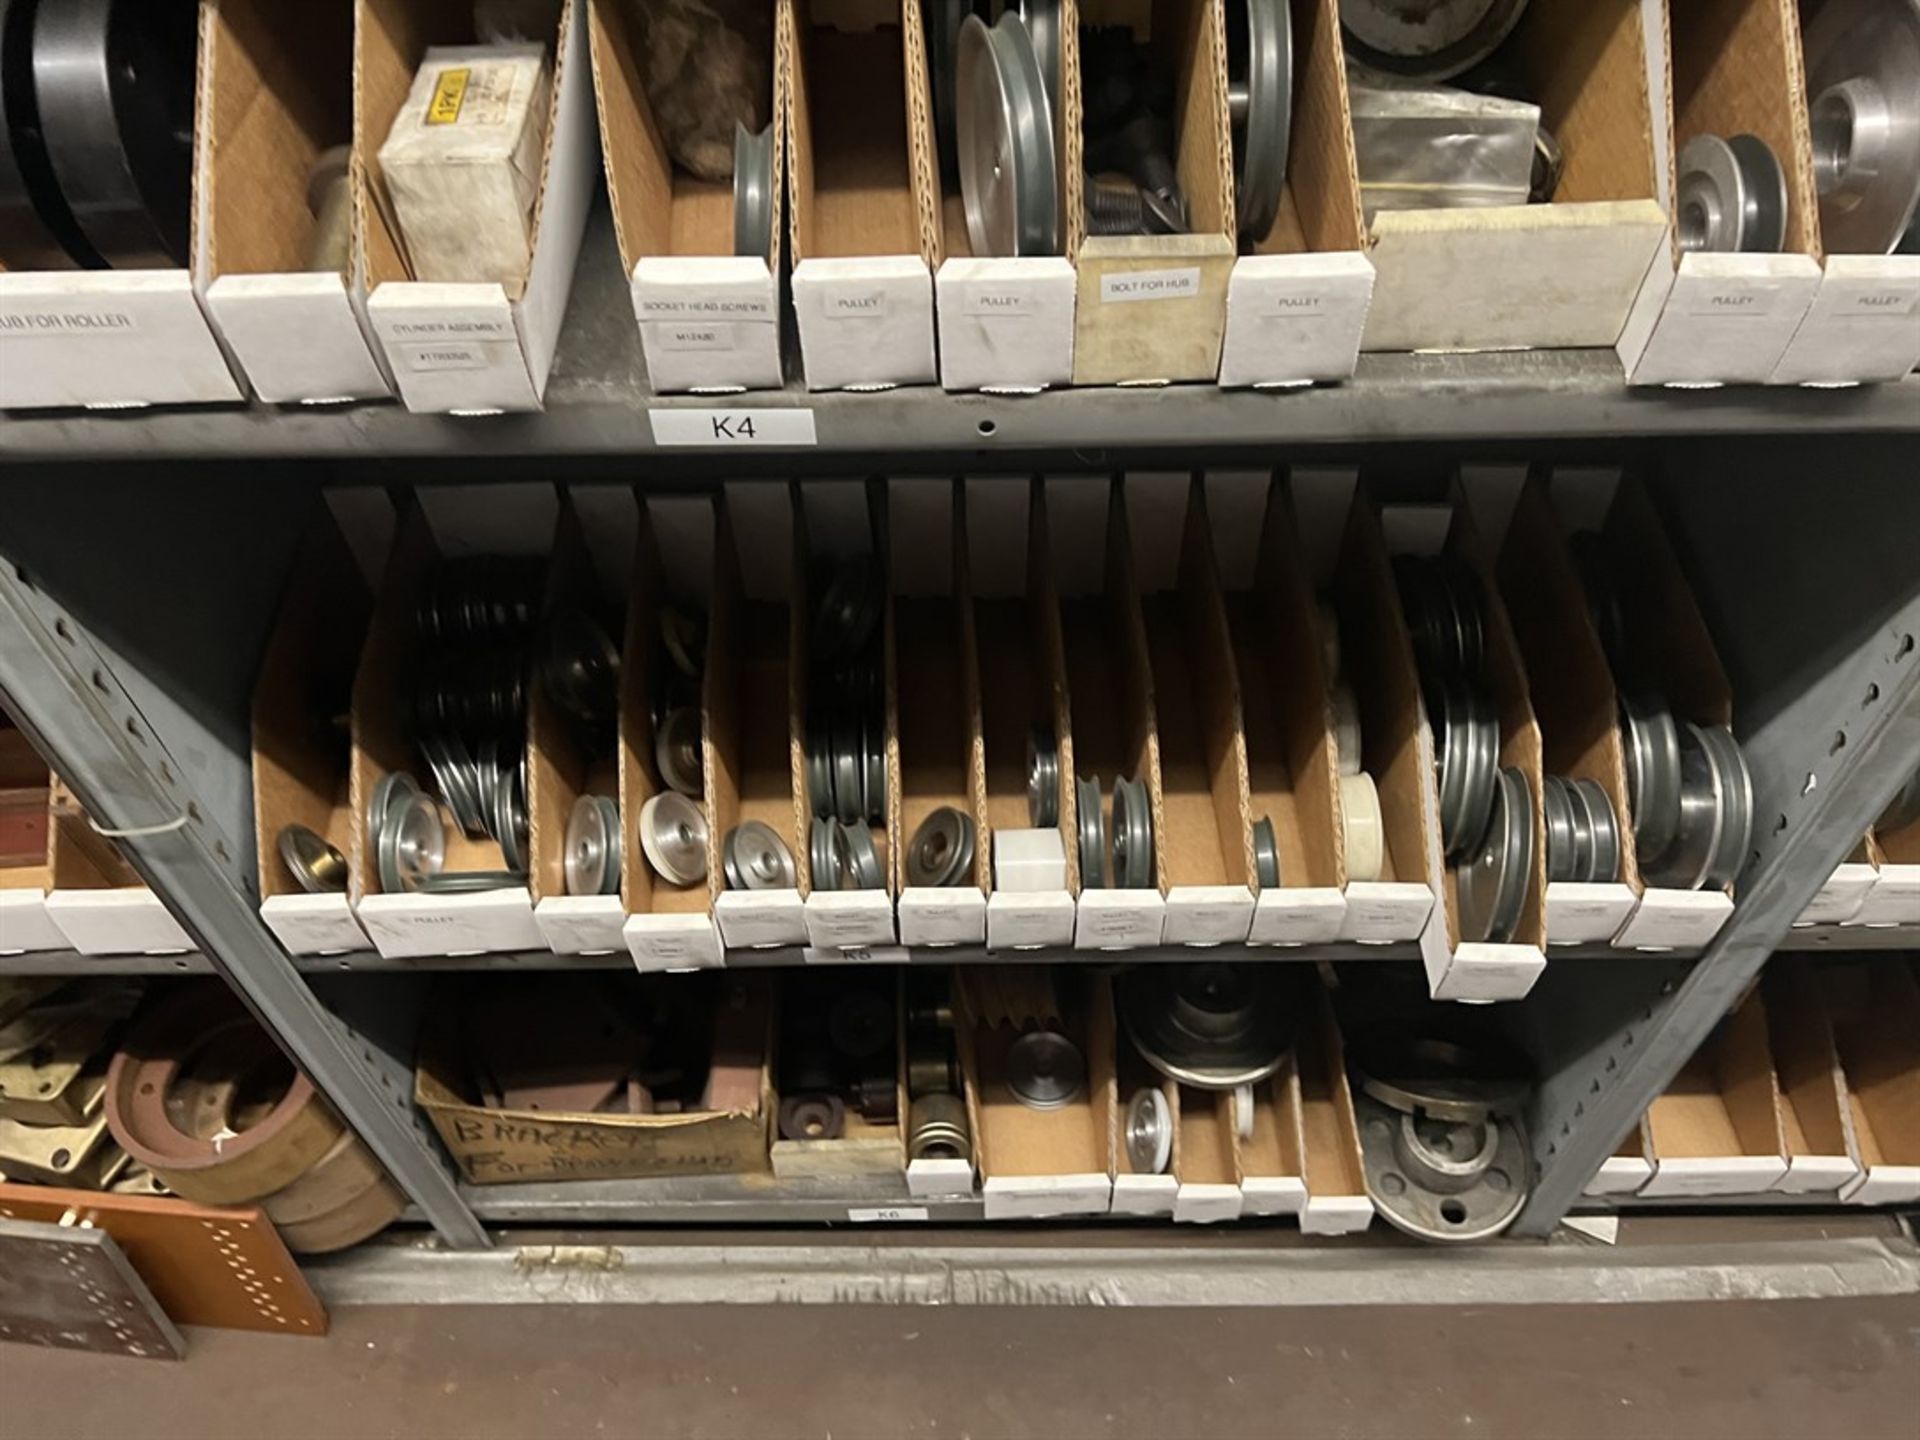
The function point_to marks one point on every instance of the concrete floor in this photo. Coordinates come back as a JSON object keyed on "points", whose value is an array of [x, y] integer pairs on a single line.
{"points": [[1748, 1369]]}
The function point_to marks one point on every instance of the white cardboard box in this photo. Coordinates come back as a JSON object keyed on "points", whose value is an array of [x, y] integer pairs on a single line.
{"points": [[1335, 1215], [1294, 319], [1006, 325], [849, 919], [1119, 919], [674, 942], [314, 924], [865, 323], [492, 922], [302, 339], [1204, 1204], [929, 1178], [1144, 1195], [1207, 915], [1303, 915], [758, 919], [1033, 1197], [942, 915], [1029, 922], [110, 339], [25, 926], [1894, 899], [582, 924], [1863, 324], [1722, 320], [1840, 899], [120, 921], [1675, 919], [1587, 913], [709, 324]]}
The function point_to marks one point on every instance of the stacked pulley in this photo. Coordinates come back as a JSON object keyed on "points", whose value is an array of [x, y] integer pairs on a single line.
{"points": [[200, 1095], [1583, 833], [1731, 196], [673, 822], [96, 149], [1688, 788], [1260, 106], [1116, 844], [1486, 810], [847, 726], [579, 668], [937, 1126]]}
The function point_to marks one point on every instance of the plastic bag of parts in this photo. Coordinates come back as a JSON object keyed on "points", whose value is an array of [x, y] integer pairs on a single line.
{"points": [[1433, 147]]}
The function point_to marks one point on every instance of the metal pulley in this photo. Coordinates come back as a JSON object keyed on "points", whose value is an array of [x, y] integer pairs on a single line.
{"points": [[1731, 196], [753, 191], [1211, 1025], [1863, 72], [1493, 882], [1260, 106], [1426, 39], [1009, 182]]}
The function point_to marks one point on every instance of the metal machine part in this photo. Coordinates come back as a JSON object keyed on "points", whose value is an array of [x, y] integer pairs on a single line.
{"points": [[1863, 72], [850, 609], [1364, 828], [1121, 207], [825, 853], [673, 837], [1426, 39], [1092, 822], [1349, 749], [580, 667], [37, 230], [942, 849], [1468, 732], [676, 751], [1212, 1025], [1583, 833], [1043, 778], [1446, 618], [1260, 106], [937, 1128], [592, 862], [1045, 1070], [1008, 178], [411, 843], [1716, 814], [812, 1117], [1149, 1131], [1132, 836], [1732, 196], [1266, 853], [319, 868], [863, 859], [1042, 19], [113, 81], [1128, 128], [1548, 162], [1493, 883], [684, 637], [756, 858], [1653, 772], [1243, 1111], [753, 191]]}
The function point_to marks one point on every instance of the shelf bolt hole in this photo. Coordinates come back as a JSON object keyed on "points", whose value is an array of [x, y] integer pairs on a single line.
{"points": [[987, 427], [1906, 647], [61, 629], [1780, 825], [1839, 742], [1873, 694]]}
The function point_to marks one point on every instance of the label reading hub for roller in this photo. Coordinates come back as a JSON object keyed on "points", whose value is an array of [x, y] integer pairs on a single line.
{"points": [[1132, 285], [732, 427], [67, 322]]}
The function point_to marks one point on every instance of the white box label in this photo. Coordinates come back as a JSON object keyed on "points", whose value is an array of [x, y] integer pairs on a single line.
{"points": [[1877, 304], [1131, 285], [419, 332], [719, 310], [1740, 302], [870, 306], [996, 302], [886, 1213], [692, 336], [856, 955], [448, 356], [732, 427]]}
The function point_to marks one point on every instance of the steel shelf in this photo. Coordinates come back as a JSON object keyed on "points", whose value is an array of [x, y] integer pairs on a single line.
{"points": [[1816, 938], [598, 404]]}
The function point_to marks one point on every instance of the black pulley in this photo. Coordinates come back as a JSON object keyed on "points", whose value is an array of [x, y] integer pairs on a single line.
{"points": [[37, 231], [114, 82]]}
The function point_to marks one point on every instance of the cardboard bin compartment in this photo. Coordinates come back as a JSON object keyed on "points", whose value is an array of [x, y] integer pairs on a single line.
{"points": [[720, 1022], [1141, 1191], [96, 900], [1153, 308], [1814, 1106], [1209, 877], [709, 318], [1875, 1007], [1293, 778], [1037, 1163], [1273, 1157], [1727, 318], [1336, 1183], [861, 191], [286, 286], [938, 704], [814, 1011], [1627, 1169], [26, 867], [1895, 897], [1297, 301], [1103, 641], [1208, 1162], [302, 745], [513, 526], [484, 344], [1717, 1130], [752, 734], [1022, 688], [1554, 276]]}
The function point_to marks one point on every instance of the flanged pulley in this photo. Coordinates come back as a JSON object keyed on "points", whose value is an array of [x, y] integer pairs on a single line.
{"points": [[1091, 819], [944, 19], [1863, 72], [1008, 180], [673, 837], [316, 865], [937, 1128], [1042, 19], [1653, 772], [1468, 732], [410, 845], [753, 191], [37, 230], [1731, 197], [1426, 39], [1149, 1131], [1266, 853], [1583, 833], [1493, 882], [942, 849], [1716, 813], [1211, 1025], [1043, 778], [592, 862], [1132, 836], [113, 81], [756, 858], [1260, 105], [1045, 1070]]}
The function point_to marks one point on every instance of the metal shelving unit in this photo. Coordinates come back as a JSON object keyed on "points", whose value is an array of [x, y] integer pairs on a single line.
{"points": [[142, 553]]}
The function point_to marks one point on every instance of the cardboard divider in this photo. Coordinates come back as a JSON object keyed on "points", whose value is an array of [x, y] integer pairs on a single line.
{"points": [[302, 741], [1717, 1130], [497, 520], [1875, 1008], [1208, 1163], [1036, 1163], [1377, 655], [667, 926], [941, 749], [1723, 318], [1104, 648], [1139, 1192], [1006, 322], [94, 898], [709, 319], [1895, 897], [1208, 866], [1292, 770], [277, 92], [1565, 274], [1273, 1158], [863, 191], [480, 347], [1297, 302], [1814, 1109], [1574, 701], [26, 869], [1676, 652], [1022, 685], [751, 736], [1336, 1185], [1151, 309]]}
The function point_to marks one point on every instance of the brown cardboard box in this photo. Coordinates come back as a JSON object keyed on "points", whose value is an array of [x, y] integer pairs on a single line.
{"points": [[1718, 1128], [1875, 1007]]}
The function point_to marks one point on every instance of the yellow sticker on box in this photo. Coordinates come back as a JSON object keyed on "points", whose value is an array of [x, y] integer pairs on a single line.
{"points": [[449, 93]]}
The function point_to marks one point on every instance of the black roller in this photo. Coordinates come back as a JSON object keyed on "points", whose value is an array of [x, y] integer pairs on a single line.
{"points": [[37, 230], [114, 82]]}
